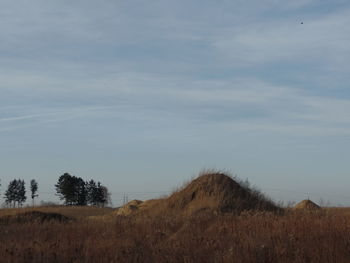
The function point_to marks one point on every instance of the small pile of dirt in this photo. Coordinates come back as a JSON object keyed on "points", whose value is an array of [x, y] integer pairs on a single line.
{"points": [[307, 205], [129, 208], [34, 216]]}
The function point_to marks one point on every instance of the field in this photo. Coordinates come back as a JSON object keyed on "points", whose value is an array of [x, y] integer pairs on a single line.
{"points": [[295, 236], [212, 219]]}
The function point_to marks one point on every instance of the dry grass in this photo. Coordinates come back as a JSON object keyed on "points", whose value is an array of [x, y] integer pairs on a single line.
{"points": [[252, 236], [211, 219]]}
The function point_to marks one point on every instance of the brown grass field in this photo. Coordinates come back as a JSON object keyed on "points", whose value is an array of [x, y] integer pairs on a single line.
{"points": [[206, 235], [296, 236]]}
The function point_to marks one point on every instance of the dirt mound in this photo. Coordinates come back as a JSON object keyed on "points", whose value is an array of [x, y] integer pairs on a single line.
{"points": [[129, 208], [308, 205], [211, 192], [34, 216], [219, 192]]}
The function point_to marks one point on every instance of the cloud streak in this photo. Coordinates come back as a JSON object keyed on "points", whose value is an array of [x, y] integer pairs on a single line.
{"points": [[239, 102], [61, 115]]}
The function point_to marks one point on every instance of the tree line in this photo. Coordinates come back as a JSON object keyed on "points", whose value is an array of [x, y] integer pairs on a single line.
{"points": [[75, 191], [16, 192], [71, 189]]}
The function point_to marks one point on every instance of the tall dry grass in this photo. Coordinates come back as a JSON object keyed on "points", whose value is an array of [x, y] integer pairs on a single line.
{"points": [[295, 236]]}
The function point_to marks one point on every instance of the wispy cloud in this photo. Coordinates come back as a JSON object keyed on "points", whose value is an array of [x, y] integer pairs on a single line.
{"points": [[51, 115], [321, 39], [250, 104]]}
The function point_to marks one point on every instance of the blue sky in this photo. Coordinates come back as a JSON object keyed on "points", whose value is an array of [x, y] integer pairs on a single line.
{"points": [[142, 95]]}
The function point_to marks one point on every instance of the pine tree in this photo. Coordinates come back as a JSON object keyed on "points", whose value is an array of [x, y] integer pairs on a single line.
{"points": [[21, 192], [103, 196], [33, 189], [16, 192], [80, 191], [11, 193], [65, 189], [92, 192], [71, 189]]}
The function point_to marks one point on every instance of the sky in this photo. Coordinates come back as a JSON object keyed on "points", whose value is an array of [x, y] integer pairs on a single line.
{"points": [[143, 95]]}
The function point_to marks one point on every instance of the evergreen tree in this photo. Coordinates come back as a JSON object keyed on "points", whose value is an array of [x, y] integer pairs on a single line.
{"points": [[11, 193], [103, 196], [33, 189], [71, 189], [21, 192], [92, 193], [80, 191], [65, 188], [15, 192]]}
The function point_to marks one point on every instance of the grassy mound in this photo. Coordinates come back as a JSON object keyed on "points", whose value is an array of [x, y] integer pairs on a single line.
{"points": [[210, 192], [218, 192], [34, 216]]}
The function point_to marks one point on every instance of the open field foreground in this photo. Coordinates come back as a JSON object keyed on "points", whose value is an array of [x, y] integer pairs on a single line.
{"points": [[207, 231], [249, 237]]}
